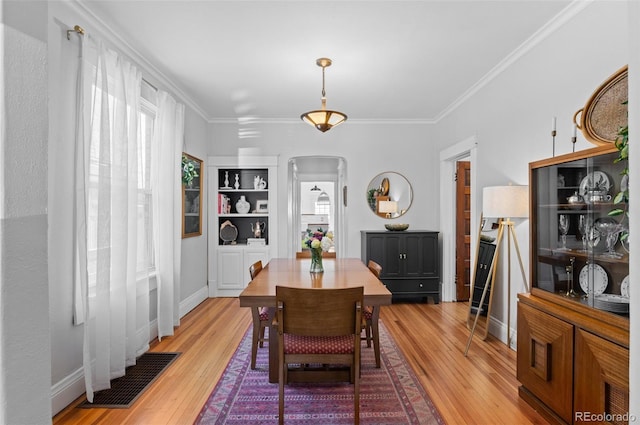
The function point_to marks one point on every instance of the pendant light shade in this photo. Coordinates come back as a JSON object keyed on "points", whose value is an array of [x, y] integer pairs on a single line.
{"points": [[323, 119]]}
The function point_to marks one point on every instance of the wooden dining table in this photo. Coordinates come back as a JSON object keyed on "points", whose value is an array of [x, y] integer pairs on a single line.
{"points": [[292, 272]]}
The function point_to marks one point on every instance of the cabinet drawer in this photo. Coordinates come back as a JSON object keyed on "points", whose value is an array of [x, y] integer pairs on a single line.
{"points": [[412, 286]]}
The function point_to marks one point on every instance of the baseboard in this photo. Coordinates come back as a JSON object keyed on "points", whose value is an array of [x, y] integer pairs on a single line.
{"points": [[68, 389]]}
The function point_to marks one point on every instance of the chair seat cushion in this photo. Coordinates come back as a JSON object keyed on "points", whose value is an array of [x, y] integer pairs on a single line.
{"points": [[298, 344], [367, 312], [264, 314]]}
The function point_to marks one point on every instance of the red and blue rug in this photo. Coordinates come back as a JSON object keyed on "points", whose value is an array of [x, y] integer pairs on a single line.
{"points": [[390, 395]]}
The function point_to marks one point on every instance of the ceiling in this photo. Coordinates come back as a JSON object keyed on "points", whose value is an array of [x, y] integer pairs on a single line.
{"points": [[393, 60]]}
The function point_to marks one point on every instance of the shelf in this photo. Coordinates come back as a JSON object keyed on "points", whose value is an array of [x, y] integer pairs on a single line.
{"points": [[554, 256], [234, 215], [232, 190]]}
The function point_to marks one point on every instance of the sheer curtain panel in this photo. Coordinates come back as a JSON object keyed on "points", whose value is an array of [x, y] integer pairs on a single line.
{"points": [[166, 156], [107, 219]]}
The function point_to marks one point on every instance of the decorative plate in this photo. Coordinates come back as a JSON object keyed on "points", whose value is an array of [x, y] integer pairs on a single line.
{"points": [[228, 232], [600, 279], [624, 287], [384, 187], [596, 180], [605, 111]]}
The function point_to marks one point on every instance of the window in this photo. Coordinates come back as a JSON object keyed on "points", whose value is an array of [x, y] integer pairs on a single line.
{"points": [[100, 203]]}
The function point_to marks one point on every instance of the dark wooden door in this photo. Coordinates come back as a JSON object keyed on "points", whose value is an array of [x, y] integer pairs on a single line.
{"points": [[463, 230]]}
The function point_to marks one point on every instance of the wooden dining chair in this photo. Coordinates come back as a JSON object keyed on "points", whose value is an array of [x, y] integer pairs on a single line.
{"points": [[368, 324], [260, 318], [319, 326]]}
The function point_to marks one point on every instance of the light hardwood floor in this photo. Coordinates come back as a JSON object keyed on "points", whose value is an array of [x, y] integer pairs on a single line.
{"points": [[478, 389]]}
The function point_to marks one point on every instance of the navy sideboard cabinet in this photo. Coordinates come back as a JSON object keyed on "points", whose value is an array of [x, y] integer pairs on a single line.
{"points": [[410, 261]]}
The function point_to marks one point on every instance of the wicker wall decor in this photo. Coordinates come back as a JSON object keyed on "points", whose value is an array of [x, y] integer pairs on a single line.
{"points": [[605, 111]]}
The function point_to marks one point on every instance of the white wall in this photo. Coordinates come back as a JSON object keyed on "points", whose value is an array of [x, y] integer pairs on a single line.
{"points": [[369, 149], [66, 339], [511, 116], [24, 306]]}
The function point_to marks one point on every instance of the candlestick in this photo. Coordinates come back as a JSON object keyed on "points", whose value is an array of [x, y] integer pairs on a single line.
{"points": [[553, 135], [574, 137]]}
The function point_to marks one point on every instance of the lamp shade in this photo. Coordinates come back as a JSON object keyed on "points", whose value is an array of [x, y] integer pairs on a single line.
{"points": [[505, 201], [388, 207], [323, 119]]}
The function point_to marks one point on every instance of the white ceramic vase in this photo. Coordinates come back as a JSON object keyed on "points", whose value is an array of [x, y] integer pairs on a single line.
{"points": [[243, 206]]}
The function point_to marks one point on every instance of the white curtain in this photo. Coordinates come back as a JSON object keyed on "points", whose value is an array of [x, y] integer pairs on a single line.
{"points": [[107, 216], [166, 156]]}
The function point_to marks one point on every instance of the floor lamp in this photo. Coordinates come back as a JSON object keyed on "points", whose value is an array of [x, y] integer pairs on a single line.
{"points": [[505, 203]]}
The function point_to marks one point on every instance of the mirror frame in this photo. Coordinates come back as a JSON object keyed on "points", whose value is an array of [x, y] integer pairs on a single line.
{"points": [[383, 187]]}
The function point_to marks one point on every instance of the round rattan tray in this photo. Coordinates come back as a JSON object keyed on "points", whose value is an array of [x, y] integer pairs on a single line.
{"points": [[605, 112]]}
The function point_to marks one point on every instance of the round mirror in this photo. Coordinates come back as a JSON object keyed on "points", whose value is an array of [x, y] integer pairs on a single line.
{"points": [[389, 195]]}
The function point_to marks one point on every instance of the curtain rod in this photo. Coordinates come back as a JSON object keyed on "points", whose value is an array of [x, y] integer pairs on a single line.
{"points": [[80, 31]]}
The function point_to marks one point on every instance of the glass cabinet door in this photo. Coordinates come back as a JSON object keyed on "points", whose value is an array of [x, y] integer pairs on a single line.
{"points": [[579, 251]]}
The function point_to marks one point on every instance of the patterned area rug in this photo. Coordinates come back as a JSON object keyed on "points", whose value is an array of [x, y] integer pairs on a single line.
{"points": [[389, 395]]}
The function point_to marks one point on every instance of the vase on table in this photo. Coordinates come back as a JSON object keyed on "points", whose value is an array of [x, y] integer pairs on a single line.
{"points": [[316, 260]]}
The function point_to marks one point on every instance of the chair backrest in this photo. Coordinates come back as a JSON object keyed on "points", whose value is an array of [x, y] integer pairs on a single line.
{"points": [[255, 269], [307, 254], [319, 312], [375, 268]]}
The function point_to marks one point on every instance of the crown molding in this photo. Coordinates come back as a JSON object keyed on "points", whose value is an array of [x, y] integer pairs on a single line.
{"points": [[157, 77], [565, 15]]}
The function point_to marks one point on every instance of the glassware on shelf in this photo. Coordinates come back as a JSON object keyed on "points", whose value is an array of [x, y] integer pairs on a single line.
{"points": [[583, 228], [610, 228], [563, 226]]}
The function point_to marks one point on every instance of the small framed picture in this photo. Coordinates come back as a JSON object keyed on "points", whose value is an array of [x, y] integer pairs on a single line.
{"points": [[262, 206]]}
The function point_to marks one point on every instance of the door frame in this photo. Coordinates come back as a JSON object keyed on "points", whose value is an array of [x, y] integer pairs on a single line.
{"points": [[326, 168], [466, 148]]}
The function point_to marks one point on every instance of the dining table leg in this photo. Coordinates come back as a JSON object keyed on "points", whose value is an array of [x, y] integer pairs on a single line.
{"points": [[273, 348], [376, 334]]}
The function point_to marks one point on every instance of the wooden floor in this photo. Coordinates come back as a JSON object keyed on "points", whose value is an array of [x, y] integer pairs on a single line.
{"points": [[478, 389]]}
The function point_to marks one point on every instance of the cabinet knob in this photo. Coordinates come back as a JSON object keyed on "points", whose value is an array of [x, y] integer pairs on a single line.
{"points": [[421, 285]]}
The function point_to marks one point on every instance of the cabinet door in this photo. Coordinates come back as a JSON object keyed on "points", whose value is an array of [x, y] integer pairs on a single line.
{"points": [[545, 359], [230, 269], [392, 250], [601, 379]]}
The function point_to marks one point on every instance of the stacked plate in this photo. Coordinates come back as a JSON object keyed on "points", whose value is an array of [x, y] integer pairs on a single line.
{"points": [[611, 302]]}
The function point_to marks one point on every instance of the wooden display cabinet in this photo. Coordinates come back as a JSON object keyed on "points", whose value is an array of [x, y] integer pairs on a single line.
{"points": [[573, 328]]}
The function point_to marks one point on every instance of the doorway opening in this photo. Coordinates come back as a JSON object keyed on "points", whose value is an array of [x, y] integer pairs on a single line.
{"points": [[316, 200], [465, 150]]}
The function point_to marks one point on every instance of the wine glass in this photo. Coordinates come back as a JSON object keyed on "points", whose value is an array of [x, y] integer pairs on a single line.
{"points": [[582, 228], [563, 226]]}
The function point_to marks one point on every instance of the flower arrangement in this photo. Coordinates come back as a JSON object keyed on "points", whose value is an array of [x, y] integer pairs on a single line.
{"points": [[317, 241]]}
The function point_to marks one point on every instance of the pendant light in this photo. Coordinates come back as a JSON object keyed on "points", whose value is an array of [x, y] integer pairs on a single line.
{"points": [[323, 119]]}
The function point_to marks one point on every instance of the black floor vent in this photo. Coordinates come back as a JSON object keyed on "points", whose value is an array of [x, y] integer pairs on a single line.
{"points": [[126, 389]]}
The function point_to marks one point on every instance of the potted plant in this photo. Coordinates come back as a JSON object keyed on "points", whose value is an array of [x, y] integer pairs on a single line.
{"points": [[189, 171], [622, 197]]}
